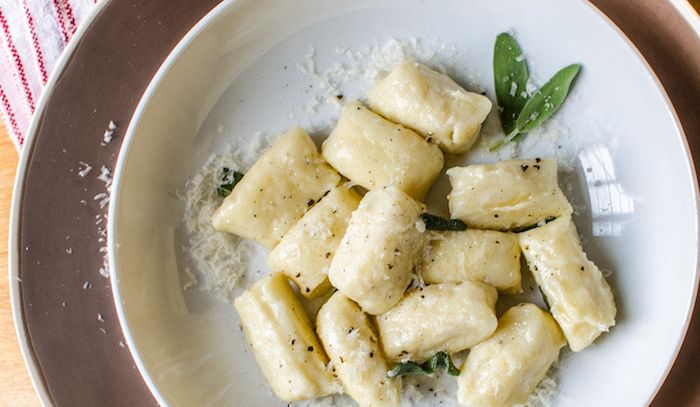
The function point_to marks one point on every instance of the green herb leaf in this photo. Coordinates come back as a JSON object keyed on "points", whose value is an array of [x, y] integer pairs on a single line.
{"points": [[440, 360], [433, 222], [543, 103], [547, 99], [510, 79], [227, 181], [406, 368]]}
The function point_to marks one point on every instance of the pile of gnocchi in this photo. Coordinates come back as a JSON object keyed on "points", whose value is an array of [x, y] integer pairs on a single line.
{"points": [[398, 290]]}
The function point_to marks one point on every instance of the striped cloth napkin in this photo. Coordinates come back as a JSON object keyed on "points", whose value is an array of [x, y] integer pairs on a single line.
{"points": [[34, 33]]}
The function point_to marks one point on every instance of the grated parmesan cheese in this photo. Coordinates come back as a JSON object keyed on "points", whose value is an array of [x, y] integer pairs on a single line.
{"points": [[420, 226], [546, 390], [439, 390], [84, 169], [370, 64], [219, 258], [109, 133], [103, 197], [193, 280], [513, 88], [320, 229], [106, 177]]}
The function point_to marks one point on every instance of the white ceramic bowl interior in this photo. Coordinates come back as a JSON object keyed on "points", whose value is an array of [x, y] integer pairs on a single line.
{"points": [[627, 171]]}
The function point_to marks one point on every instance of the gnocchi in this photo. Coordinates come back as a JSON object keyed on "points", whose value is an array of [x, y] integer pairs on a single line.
{"points": [[432, 104], [276, 192], [579, 297], [306, 251], [374, 152], [477, 255], [503, 370], [283, 340], [374, 263], [440, 317], [507, 195], [352, 344]]}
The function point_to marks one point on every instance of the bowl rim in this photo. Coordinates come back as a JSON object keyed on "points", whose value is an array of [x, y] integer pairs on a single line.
{"points": [[694, 176], [134, 123], [689, 13], [220, 9]]}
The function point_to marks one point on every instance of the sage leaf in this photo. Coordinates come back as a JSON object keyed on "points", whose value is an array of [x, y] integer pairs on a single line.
{"points": [[227, 181], [510, 76], [547, 99], [434, 222], [542, 104], [440, 360], [406, 368]]}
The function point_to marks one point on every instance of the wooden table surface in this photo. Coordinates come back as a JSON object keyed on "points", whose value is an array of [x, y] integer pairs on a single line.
{"points": [[15, 386]]}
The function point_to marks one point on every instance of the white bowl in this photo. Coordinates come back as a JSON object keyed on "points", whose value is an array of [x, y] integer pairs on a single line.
{"points": [[235, 73]]}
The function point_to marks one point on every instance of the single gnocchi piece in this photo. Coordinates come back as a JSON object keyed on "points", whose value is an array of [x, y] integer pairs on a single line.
{"points": [[306, 251], [351, 342], [476, 255], [374, 262], [283, 340], [503, 370], [432, 104], [507, 195], [579, 297], [440, 317], [373, 152], [277, 190]]}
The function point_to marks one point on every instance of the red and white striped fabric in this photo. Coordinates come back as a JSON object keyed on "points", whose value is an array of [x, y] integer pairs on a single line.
{"points": [[34, 33]]}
